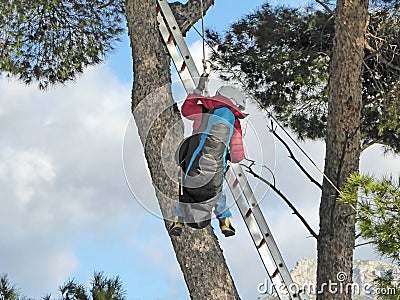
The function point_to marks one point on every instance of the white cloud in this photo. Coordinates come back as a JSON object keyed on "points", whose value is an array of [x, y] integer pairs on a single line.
{"points": [[375, 161], [25, 171], [61, 175], [37, 266]]}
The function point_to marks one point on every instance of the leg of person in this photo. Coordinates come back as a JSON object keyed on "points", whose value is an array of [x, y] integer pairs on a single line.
{"points": [[177, 225], [223, 215]]}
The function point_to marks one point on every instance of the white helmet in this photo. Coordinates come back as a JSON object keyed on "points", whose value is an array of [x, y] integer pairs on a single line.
{"points": [[235, 95]]}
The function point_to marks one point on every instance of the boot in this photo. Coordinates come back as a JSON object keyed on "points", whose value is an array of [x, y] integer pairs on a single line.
{"points": [[176, 227], [226, 227]]}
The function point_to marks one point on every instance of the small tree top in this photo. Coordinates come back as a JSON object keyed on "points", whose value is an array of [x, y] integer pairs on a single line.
{"points": [[51, 41]]}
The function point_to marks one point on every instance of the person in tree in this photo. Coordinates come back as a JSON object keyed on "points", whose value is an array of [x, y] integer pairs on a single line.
{"points": [[217, 137]]}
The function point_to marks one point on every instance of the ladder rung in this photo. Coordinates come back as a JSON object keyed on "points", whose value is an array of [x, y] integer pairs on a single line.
{"points": [[276, 272], [235, 183], [248, 213], [263, 241], [170, 38], [183, 66]]}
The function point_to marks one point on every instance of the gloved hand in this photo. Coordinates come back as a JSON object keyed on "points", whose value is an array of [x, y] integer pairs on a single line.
{"points": [[202, 85]]}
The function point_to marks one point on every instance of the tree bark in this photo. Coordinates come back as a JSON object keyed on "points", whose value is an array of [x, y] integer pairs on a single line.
{"points": [[337, 223], [198, 252]]}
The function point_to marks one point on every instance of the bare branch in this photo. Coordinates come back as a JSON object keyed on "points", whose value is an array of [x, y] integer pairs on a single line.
{"points": [[276, 190], [363, 244], [379, 57], [369, 144], [107, 4], [188, 14], [297, 162]]}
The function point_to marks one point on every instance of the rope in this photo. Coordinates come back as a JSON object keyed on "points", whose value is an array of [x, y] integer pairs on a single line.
{"points": [[204, 61]]}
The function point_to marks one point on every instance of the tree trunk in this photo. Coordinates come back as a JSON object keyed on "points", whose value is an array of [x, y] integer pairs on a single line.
{"points": [[197, 251], [337, 222]]}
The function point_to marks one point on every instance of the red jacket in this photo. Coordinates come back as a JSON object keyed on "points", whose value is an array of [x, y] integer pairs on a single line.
{"points": [[192, 109]]}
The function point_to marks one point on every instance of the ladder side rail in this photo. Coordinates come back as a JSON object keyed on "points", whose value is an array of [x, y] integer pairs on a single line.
{"points": [[178, 61], [256, 211], [257, 237], [250, 223], [179, 40], [269, 240]]}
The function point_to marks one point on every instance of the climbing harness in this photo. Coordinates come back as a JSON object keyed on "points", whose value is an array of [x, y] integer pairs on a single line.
{"points": [[235, 176]]}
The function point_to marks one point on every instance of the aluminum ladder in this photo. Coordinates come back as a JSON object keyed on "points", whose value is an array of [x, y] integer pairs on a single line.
{"points": [[261, 235], [244, 197]]}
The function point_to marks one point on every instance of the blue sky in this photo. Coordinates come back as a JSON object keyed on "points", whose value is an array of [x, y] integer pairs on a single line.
{"points": [[66, 209]]}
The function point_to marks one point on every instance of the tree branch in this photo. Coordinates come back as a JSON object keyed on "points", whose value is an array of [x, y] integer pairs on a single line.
{"points": [[363, 244], [276, 190], [188, 14], [297, 162], [369, 144], [379, 57], [107, 4]]}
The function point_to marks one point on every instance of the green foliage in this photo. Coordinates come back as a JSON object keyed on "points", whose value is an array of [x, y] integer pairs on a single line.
{"points": [[282, 56], [389, 284], [377, 205], [7, 291], [102, 288], [381, 112], [107, 289], [51, 41], [73, 291]]}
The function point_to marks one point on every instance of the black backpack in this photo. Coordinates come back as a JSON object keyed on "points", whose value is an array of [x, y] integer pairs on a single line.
{"points": [[202, 159]]}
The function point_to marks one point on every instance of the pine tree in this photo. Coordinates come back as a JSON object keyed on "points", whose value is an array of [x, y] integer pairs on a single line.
{"points": [[7, 291]]}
